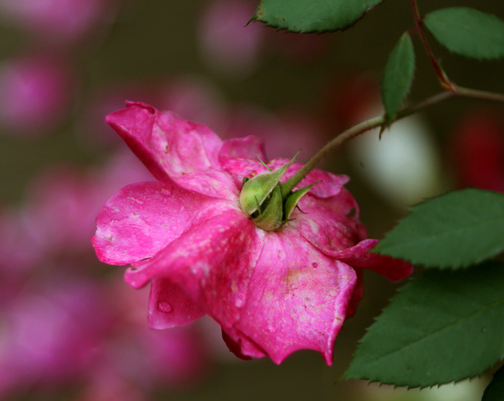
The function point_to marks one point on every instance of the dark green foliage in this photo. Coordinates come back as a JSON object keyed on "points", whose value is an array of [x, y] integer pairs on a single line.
{"points": [[455, 230], [398, 75], [443, 326], [468, 32], [312, 15]]}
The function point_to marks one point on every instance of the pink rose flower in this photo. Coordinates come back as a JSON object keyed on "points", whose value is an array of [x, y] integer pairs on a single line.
{"points": [[272, 292]]}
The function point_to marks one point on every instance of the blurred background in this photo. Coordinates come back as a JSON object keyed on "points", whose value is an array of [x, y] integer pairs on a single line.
{"points": [[70, 329]]}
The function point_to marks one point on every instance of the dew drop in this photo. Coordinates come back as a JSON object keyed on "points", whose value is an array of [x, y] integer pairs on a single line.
{"points": [[315, 264], [164, 307]]}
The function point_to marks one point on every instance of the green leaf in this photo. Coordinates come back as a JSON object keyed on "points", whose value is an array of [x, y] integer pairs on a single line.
{"points": [[468, 32], [495, 390], [312, 15], [455, 230], [398, 75], [443, 326]]}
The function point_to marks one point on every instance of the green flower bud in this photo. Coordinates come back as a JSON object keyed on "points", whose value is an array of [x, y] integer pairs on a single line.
{"points": [[262, 199], [256, 190], [271, 218]]}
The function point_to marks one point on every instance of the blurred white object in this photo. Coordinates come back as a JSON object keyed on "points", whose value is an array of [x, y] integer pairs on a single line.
{"points": [[403, 166]]}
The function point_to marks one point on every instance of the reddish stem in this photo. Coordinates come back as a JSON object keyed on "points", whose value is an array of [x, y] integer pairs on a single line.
{"points": [[443, 78]]}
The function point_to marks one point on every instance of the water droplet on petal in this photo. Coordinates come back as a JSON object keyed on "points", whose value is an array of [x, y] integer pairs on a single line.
{"points": [[271, 328], [165, 307], [315, 264]]}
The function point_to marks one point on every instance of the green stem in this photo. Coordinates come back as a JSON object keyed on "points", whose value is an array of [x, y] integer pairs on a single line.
{"points": [[451, 90], [329, 147], [380, 121], [477, 94]]}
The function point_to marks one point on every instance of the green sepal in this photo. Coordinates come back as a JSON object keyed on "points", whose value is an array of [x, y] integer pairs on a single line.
{"points": [[255, 191], [271, 217], [293, 199]]}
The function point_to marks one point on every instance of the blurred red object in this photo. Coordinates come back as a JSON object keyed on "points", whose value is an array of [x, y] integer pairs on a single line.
{"points": [[477, 147]]}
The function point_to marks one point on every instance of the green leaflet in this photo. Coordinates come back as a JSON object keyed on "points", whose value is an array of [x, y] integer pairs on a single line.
{"points": [[443, 326], [398, 75], [468, 32], [312, 15], [454, 230]]}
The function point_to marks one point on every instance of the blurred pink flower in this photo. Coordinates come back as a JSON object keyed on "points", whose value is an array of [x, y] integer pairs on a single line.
{"points": [[19, 246], [35, 94], [50, 332], [477, 147], [227, 43], [58, 21], [272, 292], [80, 331]]}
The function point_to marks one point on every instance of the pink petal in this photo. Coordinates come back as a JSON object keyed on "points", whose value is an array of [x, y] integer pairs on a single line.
{"points": [[357, 293], [211, 261], [218, 184], [172, 147], [327, 223], [143, 218], [170, 306], [329, 185], [249, 147], [297, 299], [134, 124], [191, 147], [242, 167], [360, 256]]}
